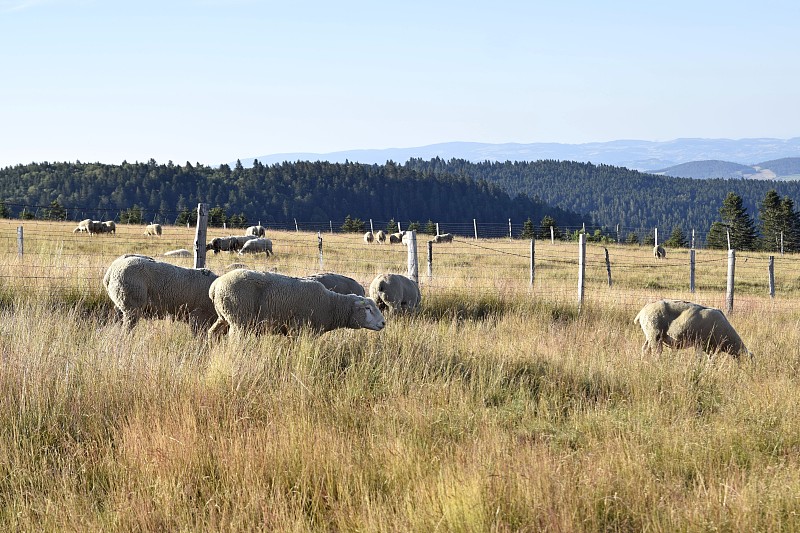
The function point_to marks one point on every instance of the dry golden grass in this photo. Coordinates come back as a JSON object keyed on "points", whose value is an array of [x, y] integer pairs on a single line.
{"points": [[496, 408]]}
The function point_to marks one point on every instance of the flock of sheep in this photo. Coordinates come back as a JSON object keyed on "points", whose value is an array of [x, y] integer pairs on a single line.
{"points": [[243, 300], [396, 238], [94, 227]]}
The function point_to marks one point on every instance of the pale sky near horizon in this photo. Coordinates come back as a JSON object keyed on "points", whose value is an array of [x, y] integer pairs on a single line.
{"points": [[211, 81]]}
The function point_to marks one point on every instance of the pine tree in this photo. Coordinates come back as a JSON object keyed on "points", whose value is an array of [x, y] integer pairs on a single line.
{"points": [[430, 228], [632, 238], [771, 217], [677, 239], [791, 229], [391, 226], [735, 218], [717, 237], [527, 230], [545, 225]]}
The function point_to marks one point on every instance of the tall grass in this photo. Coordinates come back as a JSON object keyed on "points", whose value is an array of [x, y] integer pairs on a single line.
{"points": [[504, 410]]}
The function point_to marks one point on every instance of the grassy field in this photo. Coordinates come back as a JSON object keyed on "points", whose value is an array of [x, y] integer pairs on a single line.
{"points": [[498, 407]]}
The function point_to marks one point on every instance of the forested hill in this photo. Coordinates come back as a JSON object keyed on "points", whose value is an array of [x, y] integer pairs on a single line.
{"points": [[310, 192], [614, 195]]}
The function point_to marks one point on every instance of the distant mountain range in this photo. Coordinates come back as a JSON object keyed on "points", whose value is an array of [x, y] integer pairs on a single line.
{"points": [[784, 169], [650, 156]]}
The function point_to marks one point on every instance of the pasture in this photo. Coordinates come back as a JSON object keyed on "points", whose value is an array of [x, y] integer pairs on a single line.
{"points": [[498, 407]]}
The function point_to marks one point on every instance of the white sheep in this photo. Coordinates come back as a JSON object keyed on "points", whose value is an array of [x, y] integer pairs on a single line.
{"points": [[95, 227], [140, 287], [153, 230], [222, 244], [338, 283], [182, 252], [109, 226], [381, 236], [680, 324], [83, 226], [395, 292], [396, 238], [444, 237], [369, 237], [659, 252], [256, 231], [257, 245], [265, 302]]}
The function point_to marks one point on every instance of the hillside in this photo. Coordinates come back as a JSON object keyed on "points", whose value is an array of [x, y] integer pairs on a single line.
{"points": [[786, 168], [612, 195], [275, 195], [708, 170]]}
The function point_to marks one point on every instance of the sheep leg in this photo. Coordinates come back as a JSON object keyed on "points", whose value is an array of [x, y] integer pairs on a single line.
{"points": [[218, 329]]}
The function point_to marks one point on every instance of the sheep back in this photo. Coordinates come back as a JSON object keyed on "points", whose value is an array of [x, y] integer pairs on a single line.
{"points": [[395, 292], [706, 329], [381, 236], [153, 229], [139, 286], [369, 237], [256, 231], [659, 252], [444, 237], [256, 245], [266, 302], [655, 319], [339, 283]]}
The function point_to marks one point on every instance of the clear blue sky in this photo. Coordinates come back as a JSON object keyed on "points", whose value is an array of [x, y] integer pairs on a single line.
{"points": [[211, 81]]}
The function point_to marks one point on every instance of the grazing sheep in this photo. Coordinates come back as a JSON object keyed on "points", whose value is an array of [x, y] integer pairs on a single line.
{"points": [[182, 252], [83, 226], [396, 238], [381, 236], [256, 231], [680, 324], [140, 287], [94, 227], [395, 292], [444, 237], [108, 227], [257, 245], [222, 244], [265, 302], [659, 252], [369, 237], [153, 230], [338, 283]]}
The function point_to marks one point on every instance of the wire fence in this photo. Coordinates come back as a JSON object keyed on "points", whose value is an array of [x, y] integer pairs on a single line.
{"points": [[49, 256]]}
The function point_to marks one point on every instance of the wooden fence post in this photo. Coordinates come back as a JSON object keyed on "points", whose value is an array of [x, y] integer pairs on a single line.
{"points": [[200, 236], [731, 272], [772, 276], [581, 267], [20, 242], [430, 259], [319, 245], [371, 229], [692, 239], [330, 222], [410, 239], [552, 236], [437, 229], [608, 267], [509, 229], [296, 228], [691, 270], [533, 268], [475, 226], [656, 237]]}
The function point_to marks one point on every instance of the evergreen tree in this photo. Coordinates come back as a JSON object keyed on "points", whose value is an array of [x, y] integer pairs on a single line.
{"points": [[650, 240], [347, 227], [677, 239], [132, 215], [5, 212], [545, 225], [791, 229], [717, 237], [430, 228], [26, 215], [632, 238], [413, 226], [391, 226], [55, 212], [528, 231], [216, 215], [771, 217], [739, 223]]}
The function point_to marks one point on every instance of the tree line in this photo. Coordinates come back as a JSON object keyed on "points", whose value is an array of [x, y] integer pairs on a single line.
{"points": [[270, 194]]}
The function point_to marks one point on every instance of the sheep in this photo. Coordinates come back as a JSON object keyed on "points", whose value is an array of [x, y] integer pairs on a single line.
{"points": [[256, 231], [680, 324], [381, 236], [153, 230], [338, 283], [444, 237], [108, 227], [266, 302], [659, 252], [396, 238], [369, 237], [239, 240], [257, 245], [94, 227], [222, 244], [140, 287], [182, 252], [83, 226], [395, 292]]}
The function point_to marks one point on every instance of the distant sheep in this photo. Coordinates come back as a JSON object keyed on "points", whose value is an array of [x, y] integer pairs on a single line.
{"points": [[94, 227], [256, 231], [396, 238], [681, 324], [109, 226], [83, 226], [659, 252], [338, 283], [153, 230], [444, 237], [381, 236], [257, 245], [182, 252], [263, 302], [140, 287], [234, 243], [395, 292], [369, 237]]}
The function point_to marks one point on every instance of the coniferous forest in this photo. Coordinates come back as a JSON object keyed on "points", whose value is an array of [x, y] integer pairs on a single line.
{"points": [[569, 193]]}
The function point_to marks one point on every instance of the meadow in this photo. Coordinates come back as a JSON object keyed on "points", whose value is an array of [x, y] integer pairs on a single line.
{"points": [[498, 407]]}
